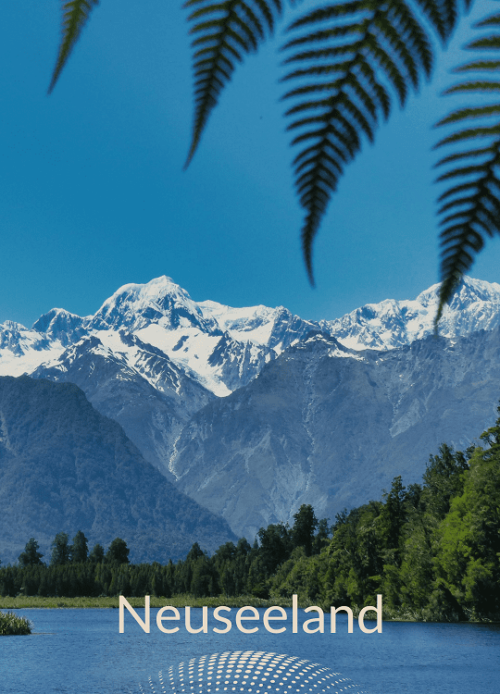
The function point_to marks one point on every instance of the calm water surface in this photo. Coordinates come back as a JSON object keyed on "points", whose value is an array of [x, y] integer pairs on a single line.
{"points": [[81, 652]]}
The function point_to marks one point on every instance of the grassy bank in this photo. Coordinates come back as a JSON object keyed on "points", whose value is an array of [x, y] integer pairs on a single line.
{"points": [[23, 602], [11, 625]]}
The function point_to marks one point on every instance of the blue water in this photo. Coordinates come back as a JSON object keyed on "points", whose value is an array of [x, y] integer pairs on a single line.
{"points": [[81, 652]]}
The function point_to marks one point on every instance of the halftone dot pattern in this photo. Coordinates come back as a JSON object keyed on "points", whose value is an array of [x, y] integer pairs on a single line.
{"points": [[251, 672]]}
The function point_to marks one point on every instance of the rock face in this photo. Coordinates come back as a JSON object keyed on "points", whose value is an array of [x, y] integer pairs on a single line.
{"points": [[65, 467], [135, 384], [253, 411], [332, 427]]}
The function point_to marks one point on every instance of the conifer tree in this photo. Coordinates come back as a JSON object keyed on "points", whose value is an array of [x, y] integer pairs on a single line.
{"points": [[79, 548], [118, 552], [61, 550], [97, 554], [31, 556], [304, 527]]}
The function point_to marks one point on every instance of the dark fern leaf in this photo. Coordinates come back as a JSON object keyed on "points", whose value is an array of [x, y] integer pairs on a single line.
{"points": [[75, 16], [470, 208], [348, 60], [225, 32]]}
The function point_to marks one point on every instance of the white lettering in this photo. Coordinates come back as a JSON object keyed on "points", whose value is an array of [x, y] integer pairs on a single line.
{"points": [[334, 612], [319, 620], [295, 619], [145, 625], [204, 626], [268, 616], [378, 610], [160, 617], [222, 619], [239, 617]]}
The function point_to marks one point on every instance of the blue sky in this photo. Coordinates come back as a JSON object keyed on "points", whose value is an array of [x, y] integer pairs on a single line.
{"points": [[93, 192]]}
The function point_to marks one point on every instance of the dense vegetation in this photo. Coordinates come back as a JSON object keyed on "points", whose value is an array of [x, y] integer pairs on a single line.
{"points": [[432, 550], [11, 625]]}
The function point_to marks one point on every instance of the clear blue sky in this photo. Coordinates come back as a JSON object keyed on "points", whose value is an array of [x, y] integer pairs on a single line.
{"points": [[93, 194]]}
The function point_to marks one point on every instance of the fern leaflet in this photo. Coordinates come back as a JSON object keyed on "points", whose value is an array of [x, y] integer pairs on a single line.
{"points": [[470, 207], [224, 31], [353, 55], [75, 16]]}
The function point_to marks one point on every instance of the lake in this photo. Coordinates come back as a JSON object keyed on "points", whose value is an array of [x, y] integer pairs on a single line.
{"points": [[79, 651]]}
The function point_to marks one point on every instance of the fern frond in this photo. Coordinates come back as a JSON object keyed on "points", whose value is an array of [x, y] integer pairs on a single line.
{"points": [[476, 187], [227, 30], [75, 16], [348, 59]]}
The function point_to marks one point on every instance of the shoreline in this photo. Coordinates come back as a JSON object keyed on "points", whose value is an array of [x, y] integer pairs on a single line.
{"points": [[35, 602], [181, 601]]}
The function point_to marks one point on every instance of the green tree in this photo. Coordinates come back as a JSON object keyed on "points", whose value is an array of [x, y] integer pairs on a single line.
{"points": [[117, 552], [392, 519], [469, 548], [322, 536], [204, 579], [79, 548], [97, 554], [257, 578], [444, 479], [61, 550], [275, 546], [304, 527], [195, 553], [31, 556], [347, 63]]}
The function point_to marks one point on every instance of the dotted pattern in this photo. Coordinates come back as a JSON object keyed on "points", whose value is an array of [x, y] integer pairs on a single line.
{"points": [[251, 672]]}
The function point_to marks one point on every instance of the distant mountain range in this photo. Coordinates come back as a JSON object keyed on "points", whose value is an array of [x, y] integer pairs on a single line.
{"points": [[223, 348], [252, 411]]}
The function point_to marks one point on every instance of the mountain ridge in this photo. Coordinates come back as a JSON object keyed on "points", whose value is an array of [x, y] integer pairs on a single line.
{"points": [[169, 370], [162, 314]]}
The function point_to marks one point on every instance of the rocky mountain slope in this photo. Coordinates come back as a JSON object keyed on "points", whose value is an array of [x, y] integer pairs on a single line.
{"points": [[137, 385], [65, 467], [197, 387], [332, 427]]}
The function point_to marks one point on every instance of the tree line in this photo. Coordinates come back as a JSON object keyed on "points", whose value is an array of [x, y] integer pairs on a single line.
{"points": [[431, 549], [232, 570]]}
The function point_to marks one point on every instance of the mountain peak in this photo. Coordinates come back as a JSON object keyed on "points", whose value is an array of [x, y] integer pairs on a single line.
{"points": [[223, 347], [390, 323], [59, 324], [161, 300], [469, 291]]}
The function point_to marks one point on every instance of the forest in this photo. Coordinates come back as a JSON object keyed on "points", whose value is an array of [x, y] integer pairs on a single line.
{"points": [[432, 550]]}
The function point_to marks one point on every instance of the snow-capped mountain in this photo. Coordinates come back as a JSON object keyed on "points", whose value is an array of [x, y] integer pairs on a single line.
{"points": [[275, 328], [161, 314], [151, 357], [390, 324], [223, 347]]}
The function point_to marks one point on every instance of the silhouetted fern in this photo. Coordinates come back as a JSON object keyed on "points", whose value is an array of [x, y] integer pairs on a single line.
{"points": [[352, 57], [75, 15], [470, 208], [225, 31]]}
